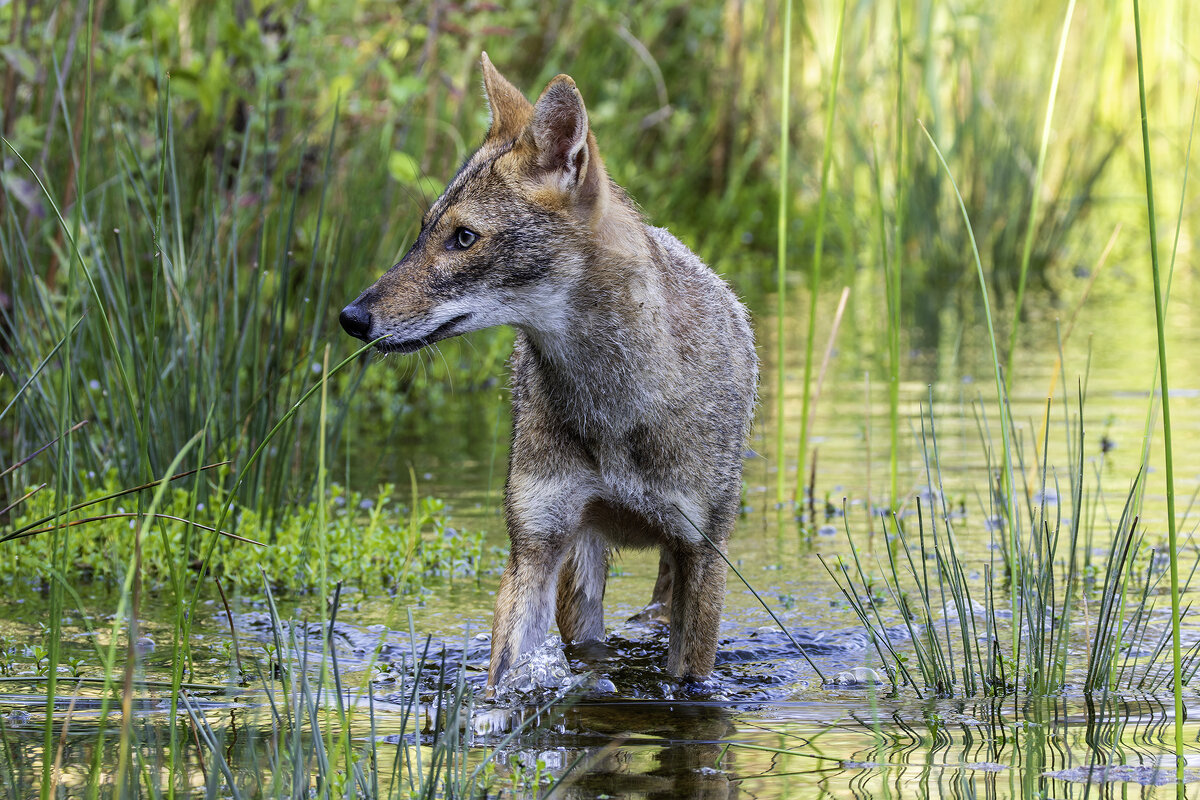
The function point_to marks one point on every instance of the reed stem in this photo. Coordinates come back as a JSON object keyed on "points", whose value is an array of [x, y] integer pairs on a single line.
{"points": [[894, 272], [1169, 467], [781, 263], [818, 251], [1035, 199], [1001, 401]]}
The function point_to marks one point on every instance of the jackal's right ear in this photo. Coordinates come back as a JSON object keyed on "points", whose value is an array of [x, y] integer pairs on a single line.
{"points": [[560, 128], [510, 110]]}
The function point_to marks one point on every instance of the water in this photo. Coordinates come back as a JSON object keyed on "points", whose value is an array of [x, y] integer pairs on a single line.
{"points": [[765, 726]]}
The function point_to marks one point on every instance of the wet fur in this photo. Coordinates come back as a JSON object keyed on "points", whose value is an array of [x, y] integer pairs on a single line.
{"points": [[633, 375]]}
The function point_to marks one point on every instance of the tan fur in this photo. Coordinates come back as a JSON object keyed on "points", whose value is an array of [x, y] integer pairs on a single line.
{"points": [[633, 374], [511, 112]]}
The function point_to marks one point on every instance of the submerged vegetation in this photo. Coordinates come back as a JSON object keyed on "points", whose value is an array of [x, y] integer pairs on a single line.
{"points": [[189, 192]]}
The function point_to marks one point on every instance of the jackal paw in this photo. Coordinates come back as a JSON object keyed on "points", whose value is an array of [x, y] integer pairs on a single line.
{"points": [[541, 671]]}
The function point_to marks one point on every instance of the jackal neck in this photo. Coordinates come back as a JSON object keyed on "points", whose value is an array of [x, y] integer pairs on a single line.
{"points": [[597, 355]]}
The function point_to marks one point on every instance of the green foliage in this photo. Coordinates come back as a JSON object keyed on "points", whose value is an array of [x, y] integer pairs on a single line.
{"points": [[253, 166], [372, 542]]}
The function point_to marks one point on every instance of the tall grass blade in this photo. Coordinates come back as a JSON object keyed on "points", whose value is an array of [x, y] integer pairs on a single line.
{"points": [[1169, 467], [1001, 397], [894, 269], [814, 287], [1035, 199], [781, 265], [753, 591]]}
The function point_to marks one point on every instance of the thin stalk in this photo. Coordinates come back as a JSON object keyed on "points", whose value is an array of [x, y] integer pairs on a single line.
{"points": [[126, 593], [1172, 533], [894, 272], [1005, 435], [66, 465], [1035, 200], [32, 377], [754, 592], [829, 347], [781, 264], [19, 532], [818, 250], [177, 593], [227, 506], [901, 600], [328, 610]]}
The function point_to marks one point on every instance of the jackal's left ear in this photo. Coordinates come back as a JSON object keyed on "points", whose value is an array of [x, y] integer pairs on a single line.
{"points": [[511, 112], [560, 128]]}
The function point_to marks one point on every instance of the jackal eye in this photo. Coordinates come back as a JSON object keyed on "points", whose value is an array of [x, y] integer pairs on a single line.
{"points": [[462, 239]]}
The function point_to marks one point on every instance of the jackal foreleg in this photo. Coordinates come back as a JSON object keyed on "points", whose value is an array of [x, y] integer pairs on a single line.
{"points": [[580, 613], [543, 518], [524, 603]]}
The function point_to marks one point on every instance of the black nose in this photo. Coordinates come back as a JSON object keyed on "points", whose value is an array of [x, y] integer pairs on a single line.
{"points": [[357, 321]]}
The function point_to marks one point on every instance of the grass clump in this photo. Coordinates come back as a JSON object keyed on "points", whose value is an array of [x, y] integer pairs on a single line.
{"points": [[944, 626], [374, 542]]}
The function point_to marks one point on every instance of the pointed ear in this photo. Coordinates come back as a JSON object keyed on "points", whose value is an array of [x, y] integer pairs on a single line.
{"points": [[560, 128], [510, 111]]}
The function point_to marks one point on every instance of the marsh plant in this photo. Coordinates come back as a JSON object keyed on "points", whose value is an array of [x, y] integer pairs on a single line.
{"points": [[955, 613], [308, 732], [377, 543]]}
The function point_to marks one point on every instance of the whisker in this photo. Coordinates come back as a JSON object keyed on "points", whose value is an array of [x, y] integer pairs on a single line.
{"points": [[449, 372]]}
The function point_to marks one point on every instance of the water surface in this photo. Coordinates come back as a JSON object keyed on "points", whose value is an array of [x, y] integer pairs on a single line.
{"points": [[767, 727]]}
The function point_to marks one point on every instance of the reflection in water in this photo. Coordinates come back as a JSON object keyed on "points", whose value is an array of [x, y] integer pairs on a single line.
{"points": [[1049, 748], [655, 750]]}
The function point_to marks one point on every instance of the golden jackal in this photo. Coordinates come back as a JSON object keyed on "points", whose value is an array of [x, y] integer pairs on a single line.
{"points": [[633, 374]]}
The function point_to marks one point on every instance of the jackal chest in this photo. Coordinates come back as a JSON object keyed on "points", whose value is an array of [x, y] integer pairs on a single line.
{"points": [[645, 486]]}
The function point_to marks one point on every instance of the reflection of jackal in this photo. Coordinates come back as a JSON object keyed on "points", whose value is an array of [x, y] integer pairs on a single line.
{"points": [[633, 373]]}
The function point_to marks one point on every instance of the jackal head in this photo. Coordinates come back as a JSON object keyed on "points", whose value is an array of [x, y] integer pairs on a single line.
{"points": [[507, 238]]}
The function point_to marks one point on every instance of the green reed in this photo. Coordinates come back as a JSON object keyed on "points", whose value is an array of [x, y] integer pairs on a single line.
{"points": [[158, 309], [1036, 196], [309, 737], [894, 268], [785, 104], [65, 460], [1172, 531], [1001, 397], [814, 286], [953, 643]]}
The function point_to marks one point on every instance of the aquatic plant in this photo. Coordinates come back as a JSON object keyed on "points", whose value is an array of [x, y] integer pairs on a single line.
{"points": [[311, 733], [956, 643], [374, 542], [785, 133], [818, 254]]}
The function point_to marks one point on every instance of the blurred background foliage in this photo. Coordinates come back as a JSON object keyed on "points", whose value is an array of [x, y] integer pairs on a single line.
{"points": [[235, 172]]}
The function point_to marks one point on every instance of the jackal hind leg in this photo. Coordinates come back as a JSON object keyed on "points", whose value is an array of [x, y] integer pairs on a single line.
{"points": [[659, 607], [697, 599], [581, 581]]}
